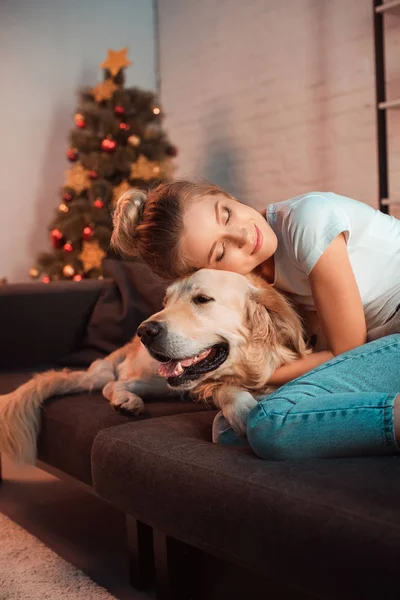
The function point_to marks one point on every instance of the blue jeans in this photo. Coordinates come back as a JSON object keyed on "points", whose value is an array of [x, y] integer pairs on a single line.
{"points": [[344, 407]]}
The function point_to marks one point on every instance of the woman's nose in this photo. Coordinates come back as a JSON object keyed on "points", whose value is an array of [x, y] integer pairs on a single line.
{"points": [[239, 236]]}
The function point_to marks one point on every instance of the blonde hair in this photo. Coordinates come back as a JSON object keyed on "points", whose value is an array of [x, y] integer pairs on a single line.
{"points": [[150, 224]]}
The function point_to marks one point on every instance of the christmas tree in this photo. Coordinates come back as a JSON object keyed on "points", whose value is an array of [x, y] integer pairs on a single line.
{"points": [[117, 143]]}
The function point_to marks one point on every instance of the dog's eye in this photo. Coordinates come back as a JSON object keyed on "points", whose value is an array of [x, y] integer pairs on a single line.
{"points": [[200, 299]]}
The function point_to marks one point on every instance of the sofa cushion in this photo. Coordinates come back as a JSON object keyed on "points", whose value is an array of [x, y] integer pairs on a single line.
{"points": [[327, 527], [70, 423], [136, 294]]}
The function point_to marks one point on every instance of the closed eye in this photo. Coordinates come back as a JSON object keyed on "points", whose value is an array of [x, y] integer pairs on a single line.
{"points": [[221, 255], [228, 218]]}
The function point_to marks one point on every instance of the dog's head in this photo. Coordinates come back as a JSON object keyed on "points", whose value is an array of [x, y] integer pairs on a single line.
{"points": [[222, 326]]}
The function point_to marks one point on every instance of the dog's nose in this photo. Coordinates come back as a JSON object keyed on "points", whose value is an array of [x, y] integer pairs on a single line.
{"points": [[149, 330]]}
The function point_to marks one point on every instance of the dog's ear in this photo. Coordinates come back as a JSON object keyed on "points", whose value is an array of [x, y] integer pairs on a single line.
{"points": [[282, 322], [258, 321]]}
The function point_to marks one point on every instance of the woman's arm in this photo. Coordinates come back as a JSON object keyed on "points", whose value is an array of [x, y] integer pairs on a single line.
{"points": [[339, 308], [299, 367]]}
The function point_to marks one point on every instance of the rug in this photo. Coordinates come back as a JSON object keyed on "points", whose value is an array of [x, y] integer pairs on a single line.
{"points": [[29, 570]]}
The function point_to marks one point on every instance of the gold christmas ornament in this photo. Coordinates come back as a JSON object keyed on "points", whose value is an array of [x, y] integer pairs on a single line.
{"points": [[77, 178], [144, 169], [119, 190], [91, 255], [134, 140], [63, 208], [104, 90], [68, 271], [34, 273], [116, 60], [156, 110]]}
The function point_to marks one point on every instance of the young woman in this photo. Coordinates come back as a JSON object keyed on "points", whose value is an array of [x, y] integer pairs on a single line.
{"points": [[332, 254]]}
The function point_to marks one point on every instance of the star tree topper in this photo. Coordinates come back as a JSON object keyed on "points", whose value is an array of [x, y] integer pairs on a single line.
{"points": [[116, 60]]}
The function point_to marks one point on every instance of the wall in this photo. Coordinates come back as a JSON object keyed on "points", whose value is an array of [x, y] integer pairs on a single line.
{"points": [[48, 49], [271, 99]]}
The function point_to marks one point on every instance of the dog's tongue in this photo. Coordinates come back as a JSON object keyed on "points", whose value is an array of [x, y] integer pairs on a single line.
{"points": [[168, 369], [173, 368]]}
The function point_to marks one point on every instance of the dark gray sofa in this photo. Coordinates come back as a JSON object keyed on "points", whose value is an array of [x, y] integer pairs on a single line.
{"points": [[310, 529]]}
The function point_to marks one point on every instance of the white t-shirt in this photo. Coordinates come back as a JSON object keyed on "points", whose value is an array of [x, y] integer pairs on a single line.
{"points": [[307, 224]]}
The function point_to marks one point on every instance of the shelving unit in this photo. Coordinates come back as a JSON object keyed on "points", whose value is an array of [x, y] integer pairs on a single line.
{"points": [[382, 7], [382, 104]]}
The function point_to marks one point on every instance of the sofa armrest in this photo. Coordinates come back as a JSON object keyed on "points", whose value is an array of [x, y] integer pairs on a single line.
{"points": [[40, 323]]}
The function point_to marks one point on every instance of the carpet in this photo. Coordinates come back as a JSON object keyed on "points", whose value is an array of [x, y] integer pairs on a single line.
{"points": [[31, 571]]}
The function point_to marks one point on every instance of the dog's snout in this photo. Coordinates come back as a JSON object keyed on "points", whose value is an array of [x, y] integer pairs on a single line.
{"points": [[149, 331]]}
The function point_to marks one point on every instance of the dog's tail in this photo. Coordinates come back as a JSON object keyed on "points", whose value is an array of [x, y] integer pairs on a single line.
{"points": [[20, 410]]}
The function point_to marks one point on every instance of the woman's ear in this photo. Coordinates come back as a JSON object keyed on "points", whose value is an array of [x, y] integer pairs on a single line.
{"points": [[284, 320]]}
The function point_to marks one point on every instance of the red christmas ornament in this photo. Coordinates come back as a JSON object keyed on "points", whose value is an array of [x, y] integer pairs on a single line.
{"points": [[98, 203], [46, 279], [108, 145], [77, 278], [119, 110], [80, 121], [87, 233], [93, 174], [72, 154], [124, 126], [67, 197], [68, 247], [56, 237]]}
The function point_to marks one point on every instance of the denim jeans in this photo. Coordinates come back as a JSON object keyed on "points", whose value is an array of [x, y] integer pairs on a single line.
{"points": [[344, 407]]}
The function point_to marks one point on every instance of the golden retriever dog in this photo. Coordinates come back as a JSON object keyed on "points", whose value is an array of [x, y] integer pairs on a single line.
{"points": [[220, 335]]}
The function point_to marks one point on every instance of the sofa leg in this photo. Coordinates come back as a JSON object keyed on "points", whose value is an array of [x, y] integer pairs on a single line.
{"points": [[141, 556], [177, 568]]}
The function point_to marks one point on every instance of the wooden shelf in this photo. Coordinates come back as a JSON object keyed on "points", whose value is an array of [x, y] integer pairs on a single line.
{"points": [[388, 202], [388, 6], [389, 103]]}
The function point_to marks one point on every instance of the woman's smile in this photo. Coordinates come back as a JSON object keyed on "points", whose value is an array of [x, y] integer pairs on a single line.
{"points": [[258, 240]]}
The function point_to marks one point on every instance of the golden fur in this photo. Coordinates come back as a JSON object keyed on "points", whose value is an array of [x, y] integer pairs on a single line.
{"points": [[259, 324]]}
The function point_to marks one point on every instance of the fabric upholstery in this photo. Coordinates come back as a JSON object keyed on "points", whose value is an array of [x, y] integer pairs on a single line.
{"points": [[136, 293], [40, 323], [328, 527], [70, 423]]}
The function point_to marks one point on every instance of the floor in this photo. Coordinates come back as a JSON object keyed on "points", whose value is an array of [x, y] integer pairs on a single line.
{"points": [[66, 519]]}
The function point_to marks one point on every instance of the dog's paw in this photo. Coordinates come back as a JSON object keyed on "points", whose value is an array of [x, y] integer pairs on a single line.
{"points": [[128, 403], [237, 411], [122, 399]]}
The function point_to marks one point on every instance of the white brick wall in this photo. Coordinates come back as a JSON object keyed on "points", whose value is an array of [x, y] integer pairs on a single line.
{"points": [[274, 98]]}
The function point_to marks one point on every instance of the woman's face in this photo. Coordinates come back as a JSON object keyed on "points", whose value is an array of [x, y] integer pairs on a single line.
{"points": [[221, 233]]}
